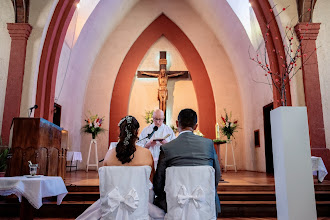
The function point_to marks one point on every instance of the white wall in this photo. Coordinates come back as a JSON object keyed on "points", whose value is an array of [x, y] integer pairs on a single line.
{"points": [[236, 44], [6, 16], [85, 50], [322, 15]]}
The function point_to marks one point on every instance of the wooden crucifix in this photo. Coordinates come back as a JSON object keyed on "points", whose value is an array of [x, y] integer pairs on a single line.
{"points": [[163, 76]]}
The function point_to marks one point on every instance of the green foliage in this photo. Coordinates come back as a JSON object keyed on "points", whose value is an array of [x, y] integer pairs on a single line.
{"points": [[3, 159], [228, 126], [174, 128], [148, 117]]}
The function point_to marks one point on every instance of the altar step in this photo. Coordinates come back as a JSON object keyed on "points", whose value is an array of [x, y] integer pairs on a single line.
{"points": [[236, 201]]}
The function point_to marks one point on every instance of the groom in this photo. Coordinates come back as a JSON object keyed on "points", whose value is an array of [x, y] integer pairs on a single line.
{"points": [[186, 150]]}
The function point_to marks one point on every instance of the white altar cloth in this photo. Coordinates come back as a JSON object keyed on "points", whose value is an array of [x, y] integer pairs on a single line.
{"points": [[73, 156], [33, 189], [318, 165]]}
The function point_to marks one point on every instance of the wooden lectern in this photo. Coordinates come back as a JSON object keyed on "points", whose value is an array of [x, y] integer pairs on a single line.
{"points": [[39, 141]]}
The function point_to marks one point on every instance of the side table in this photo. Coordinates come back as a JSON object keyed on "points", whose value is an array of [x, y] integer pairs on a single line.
{"points": [[30, 191], [71, 157], [217, 149]]}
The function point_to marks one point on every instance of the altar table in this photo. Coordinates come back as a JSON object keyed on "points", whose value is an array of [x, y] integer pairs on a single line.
{"points": [[30, 191]]}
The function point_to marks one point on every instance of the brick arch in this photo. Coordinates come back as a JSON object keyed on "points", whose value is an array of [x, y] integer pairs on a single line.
{"points": [[163, 26], [50, 57]]}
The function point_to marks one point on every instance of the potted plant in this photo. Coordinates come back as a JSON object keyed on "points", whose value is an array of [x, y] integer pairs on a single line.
{"points": [[3, 159]]}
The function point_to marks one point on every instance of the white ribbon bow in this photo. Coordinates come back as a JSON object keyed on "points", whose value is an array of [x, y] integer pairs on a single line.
{"points": [[125, 205], [197, 197]]}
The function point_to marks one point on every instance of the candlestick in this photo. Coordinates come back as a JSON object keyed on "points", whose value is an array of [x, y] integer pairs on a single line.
{"points": [[217, 131]]}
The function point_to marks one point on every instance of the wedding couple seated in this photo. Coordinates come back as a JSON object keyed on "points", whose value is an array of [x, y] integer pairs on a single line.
{"points": [[126, 178], [124, 194]]}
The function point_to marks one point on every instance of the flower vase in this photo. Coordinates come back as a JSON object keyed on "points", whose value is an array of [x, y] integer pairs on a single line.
{"points": [[228, 137], [93, 135]]}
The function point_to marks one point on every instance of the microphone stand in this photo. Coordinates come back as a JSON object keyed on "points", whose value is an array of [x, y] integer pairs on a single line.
{"points": [[30, 112]]}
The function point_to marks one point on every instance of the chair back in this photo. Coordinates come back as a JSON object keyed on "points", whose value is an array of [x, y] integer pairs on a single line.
{"points": [[190, 193], [124, 192]]}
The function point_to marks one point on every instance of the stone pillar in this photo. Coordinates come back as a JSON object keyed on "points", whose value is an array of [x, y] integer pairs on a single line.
{"points": [[307, 34], [19, 33]]}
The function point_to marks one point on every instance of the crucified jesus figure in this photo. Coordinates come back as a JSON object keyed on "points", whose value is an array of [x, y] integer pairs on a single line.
{"points": [[162, 82]]}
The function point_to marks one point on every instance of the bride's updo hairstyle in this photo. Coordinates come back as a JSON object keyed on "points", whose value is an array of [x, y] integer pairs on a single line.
{"points": [[128, 135]]}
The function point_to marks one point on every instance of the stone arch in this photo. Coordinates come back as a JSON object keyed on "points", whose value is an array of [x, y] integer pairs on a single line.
{"points": [[163, 26]]}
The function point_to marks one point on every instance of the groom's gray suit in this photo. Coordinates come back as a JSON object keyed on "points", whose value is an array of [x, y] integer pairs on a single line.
{"points": [[186, 150]]}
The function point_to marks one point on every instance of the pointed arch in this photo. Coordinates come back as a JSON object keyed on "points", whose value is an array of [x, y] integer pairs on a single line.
{"points": [[163, 26]]}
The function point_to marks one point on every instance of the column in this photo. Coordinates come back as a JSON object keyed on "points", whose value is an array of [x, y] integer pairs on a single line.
{"points": [[19, 33], [307, 33]]}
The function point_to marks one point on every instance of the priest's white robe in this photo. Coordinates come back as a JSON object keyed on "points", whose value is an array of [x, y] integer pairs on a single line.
{"points": [[162, 131]]}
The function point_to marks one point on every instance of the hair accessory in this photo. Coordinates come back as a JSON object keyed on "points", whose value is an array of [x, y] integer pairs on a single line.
{"points": [[128, 125], [128, 136], [127, 118]]}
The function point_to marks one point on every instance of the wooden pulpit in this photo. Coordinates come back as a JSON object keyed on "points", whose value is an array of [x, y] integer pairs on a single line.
{"points": [[39, 141]]}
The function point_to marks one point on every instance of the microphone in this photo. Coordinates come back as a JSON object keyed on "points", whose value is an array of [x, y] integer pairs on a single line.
{"points": [[30, 110], [149, 135], [152, 133], [34, 107]]}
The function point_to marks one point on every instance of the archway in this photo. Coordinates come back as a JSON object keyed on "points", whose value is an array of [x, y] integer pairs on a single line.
{"points": [[163, 26]]}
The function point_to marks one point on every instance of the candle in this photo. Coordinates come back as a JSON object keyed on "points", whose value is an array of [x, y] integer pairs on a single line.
{"points": [[217, 131]]}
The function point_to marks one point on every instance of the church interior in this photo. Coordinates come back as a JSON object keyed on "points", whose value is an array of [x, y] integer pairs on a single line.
{"points": [[62, 62]]}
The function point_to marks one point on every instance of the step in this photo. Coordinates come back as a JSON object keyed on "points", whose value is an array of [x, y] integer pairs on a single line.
{"points": [[72, 209], [239, 188]]}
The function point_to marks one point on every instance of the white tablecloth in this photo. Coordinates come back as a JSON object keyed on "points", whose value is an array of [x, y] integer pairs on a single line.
{"points": [[33, 189], [318, 165], [73, 156]]}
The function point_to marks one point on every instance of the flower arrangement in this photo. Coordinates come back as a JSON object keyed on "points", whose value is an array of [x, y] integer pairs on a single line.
{"points": [[197, 132], [293, 56], [174, 128], [228, 126], [93, 125], [148, 117]]}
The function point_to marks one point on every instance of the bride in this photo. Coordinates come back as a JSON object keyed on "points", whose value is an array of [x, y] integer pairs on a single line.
{"points": [[127, 154]]}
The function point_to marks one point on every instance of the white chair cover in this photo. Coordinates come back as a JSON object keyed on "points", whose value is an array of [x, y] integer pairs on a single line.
{"points": [[190, 193], [124, 192], [93, 212]]}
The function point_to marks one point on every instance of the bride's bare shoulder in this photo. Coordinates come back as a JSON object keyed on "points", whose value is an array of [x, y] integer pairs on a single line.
{"points": [[143, 150]]}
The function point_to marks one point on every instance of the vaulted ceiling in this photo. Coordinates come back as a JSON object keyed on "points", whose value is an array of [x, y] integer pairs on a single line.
{"points": [[21, 8], [305, 10]]}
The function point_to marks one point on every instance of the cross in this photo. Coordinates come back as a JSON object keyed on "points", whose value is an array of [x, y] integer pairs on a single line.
{"points": [[163, 76]]}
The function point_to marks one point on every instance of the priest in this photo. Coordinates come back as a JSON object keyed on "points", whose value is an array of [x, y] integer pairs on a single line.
{"points": [[160, 136]]}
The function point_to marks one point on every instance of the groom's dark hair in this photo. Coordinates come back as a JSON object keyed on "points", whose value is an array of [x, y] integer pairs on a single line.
{"points": [[187, 118]]}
